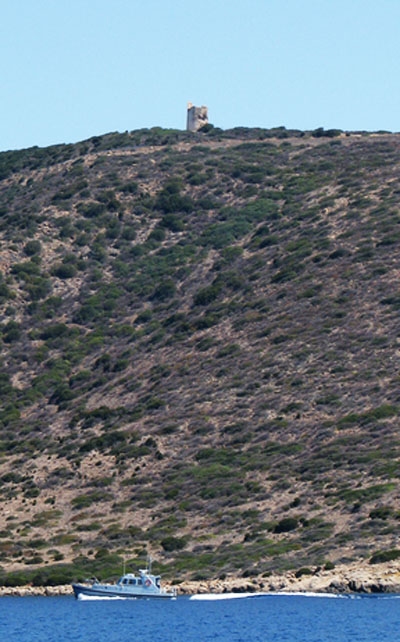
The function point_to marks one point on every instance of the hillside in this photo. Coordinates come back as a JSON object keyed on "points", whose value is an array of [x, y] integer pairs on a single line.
{"points": [[199, 352]]}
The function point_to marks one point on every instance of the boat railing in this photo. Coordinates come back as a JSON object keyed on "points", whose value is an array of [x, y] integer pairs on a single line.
{"points": [[91, 580]]}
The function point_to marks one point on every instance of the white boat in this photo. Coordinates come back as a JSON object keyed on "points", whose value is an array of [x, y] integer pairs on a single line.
{"points": [[145, 585]]}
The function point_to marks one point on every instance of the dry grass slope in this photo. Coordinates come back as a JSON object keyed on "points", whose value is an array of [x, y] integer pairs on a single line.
{"points": [[199, 353]]}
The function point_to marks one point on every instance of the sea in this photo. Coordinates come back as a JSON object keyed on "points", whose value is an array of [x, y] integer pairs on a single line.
{"points": [[203, 618]]}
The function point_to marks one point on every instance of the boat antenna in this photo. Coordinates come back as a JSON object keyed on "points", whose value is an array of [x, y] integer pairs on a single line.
{"points": [[149, 562], [124, 566]]}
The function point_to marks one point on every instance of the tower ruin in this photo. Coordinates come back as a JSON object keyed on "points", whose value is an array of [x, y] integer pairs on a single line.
{"points": [[197, 117]]}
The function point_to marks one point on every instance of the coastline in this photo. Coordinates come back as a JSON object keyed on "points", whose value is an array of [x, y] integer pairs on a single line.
{"points": [[346, 579]]}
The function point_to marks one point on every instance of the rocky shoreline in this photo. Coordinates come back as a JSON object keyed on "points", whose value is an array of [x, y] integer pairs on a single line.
{"points": [[380, 578], [362, 579]]}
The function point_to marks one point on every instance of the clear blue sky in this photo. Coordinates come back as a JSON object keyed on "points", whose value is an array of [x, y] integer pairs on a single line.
{"points": [[71, 69]]}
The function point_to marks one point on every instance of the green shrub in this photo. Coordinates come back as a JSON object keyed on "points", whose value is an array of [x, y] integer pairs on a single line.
{"points": [[382, 512], [172, 222], [87, 499], [158, 234], [207, 295], [38, 288], [385, 556], [25, 269], [171, 543], [286, 524], [64, 271], [329, 566], [304, 570], [91, 209], [54, 331], [170, 199], [164, 290], [11, 332], [5, 293], [32, 247], [130, 188]]}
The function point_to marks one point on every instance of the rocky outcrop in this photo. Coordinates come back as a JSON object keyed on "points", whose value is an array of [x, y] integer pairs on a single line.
{"points": [[30, 591], [381, 578]]}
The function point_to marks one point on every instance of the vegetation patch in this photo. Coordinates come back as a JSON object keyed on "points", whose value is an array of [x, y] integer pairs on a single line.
{"points": [[197, 336]]}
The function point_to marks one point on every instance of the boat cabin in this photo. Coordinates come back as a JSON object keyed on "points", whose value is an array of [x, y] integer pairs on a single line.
{"points": [[145, 580], [132, 581]]}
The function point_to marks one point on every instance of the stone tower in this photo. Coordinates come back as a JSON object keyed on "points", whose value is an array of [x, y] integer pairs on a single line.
{"points": [[196, 117]]}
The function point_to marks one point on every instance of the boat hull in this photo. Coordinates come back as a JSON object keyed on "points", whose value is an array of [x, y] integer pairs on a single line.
{"points": [[121, 592]]}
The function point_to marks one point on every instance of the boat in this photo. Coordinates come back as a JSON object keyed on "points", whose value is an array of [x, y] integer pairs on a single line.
{"points": [[144, 585]]}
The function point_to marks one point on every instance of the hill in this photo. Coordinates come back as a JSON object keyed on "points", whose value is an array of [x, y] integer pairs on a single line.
{"points": [[199, 352]]}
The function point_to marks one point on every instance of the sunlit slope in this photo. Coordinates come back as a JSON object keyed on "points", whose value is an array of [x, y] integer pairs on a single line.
{"points": [[200, 350]]}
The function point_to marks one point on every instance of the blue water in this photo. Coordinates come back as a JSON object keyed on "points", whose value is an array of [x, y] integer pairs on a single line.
{"points": [[269, 618]]}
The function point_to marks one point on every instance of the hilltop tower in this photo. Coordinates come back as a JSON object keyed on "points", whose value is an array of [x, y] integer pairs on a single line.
{"points": [[196, 117]]}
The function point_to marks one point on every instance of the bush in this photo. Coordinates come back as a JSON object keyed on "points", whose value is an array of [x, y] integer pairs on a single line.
{"points": [[11, 331], [5, 293], [64, 270], [170, 199], [385, 556], [32, 247], [172, 222], [54, 331], [25, 269], [171, 543], [38, 288], [130, 188], [303, 571], [91, 209], [206, 295], [320, 132], [83, 501], [164, 290], [382, 512], [329, 566], [286, 524]]}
